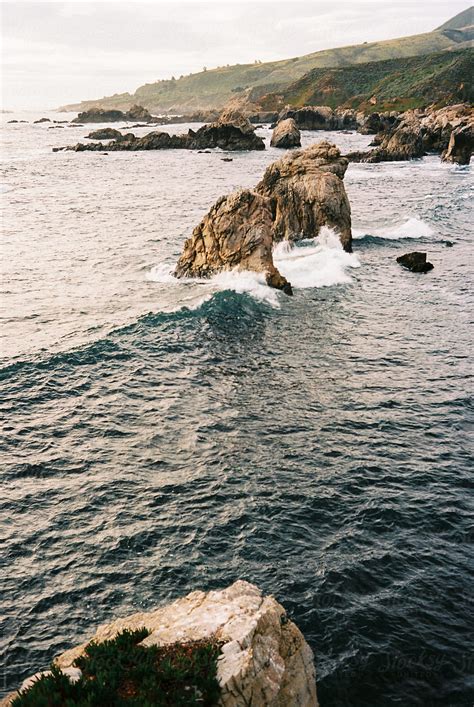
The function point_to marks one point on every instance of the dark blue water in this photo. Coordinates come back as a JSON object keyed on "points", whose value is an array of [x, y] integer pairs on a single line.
{"points": [[316, 445]]}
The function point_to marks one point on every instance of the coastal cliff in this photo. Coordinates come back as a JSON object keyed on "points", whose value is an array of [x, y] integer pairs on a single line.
{"points": [[264, 659]]}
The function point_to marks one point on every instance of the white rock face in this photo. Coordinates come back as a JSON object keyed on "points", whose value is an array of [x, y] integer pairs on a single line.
{"points": [[265, 660]]}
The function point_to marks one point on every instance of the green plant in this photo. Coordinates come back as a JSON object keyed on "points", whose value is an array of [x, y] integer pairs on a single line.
{"points": [[122, 673]]}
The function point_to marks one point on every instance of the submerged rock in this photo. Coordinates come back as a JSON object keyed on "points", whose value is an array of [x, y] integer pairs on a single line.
{"points": [[237, 233], [42, 120], [265, 660], [286, 134], [416, 262], [308, 192], [460, 145]]}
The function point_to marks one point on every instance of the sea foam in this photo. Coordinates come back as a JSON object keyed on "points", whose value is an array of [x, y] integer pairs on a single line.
{"points": [[410, 228]]}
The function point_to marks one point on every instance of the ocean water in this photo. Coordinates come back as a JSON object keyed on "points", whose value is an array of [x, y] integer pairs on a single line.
{"points": [[163, 436]]}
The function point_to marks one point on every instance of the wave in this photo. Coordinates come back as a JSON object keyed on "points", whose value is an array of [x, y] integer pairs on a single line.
{"points": [[411, 228], [317, 262]]}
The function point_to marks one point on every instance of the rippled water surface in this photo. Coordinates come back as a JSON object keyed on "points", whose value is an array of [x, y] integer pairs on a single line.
{"points": [[162, 436]]}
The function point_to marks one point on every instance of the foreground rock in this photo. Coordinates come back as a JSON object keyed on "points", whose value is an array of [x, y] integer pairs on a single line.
{"points": [[286, 134], [226, 133], [101, 115], [265, 660], [307, 191], [416, 262], [296, 197], [237, 233], [460, 146]]}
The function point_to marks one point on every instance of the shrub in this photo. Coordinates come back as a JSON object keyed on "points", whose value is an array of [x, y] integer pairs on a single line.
{"points": [[122, 673]]}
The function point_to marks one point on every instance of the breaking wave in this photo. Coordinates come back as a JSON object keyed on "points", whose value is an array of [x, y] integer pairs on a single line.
{"points": [[411, 228]]}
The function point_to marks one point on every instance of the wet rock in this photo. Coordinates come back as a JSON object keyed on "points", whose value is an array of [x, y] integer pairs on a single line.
{"points": [[237, 233], [227, 159], [320, 118], [460, 146], [416, 262], [12, 121], [307, 192], [42, 120], [286, 134], [105, 134]]}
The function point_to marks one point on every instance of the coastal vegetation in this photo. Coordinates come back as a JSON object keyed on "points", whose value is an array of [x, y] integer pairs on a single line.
{"points": [[212, 88], [123, 672]]}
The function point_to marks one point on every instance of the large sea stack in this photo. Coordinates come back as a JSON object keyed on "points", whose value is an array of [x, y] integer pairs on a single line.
{"points": [[296, 197]]}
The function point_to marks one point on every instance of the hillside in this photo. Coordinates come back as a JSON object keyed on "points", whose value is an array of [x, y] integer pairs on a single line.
{"points": [[213, 88], [396, 84]]}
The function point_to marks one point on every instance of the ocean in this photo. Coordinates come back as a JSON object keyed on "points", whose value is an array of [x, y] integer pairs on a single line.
{"points": [[161, 436]]}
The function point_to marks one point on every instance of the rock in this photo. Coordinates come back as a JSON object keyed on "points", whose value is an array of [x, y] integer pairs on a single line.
{"points": [[231, 132], [237, 233], [286, 134], [416, 262], [264, 661], [307, 191], [226, 159], [139, 113], [102, 115], [42, 120], [74, 674], [12, 121], [460, 145], [448, 244], [229, 136], [376, 122], [105, 134], [320, 118]]}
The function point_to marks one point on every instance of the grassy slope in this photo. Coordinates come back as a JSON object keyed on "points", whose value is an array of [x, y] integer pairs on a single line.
{"points": [[398, 84], [213, 88]]}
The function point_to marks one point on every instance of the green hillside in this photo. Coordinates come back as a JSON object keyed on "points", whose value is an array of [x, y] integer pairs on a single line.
{"points": [[396, 84], [213, 88]]}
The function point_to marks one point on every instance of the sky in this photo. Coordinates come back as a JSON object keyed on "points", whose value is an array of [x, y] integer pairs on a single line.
{"points": [[55, 53]]}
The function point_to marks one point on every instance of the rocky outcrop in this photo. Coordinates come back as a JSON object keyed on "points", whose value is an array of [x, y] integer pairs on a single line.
{"points": [[231, 132], [416, 262], [286, 134], [227, 133], [105, 134], [237, 233], [101, 115], [375, 122], [320, 118], [264, 660], [416, 132], [460, 146], [307, 191], [296, 197]]}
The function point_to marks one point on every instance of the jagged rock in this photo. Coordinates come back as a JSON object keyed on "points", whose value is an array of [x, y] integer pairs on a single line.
{"points": [[376, 123], [265, 660], [416, 262], [286, 134], [460, 145], [231, 132], [237, 135], [105, 134], [320, 118], [416, 131], [101, 115], [42, 120], [237, 233], [307, 191]]}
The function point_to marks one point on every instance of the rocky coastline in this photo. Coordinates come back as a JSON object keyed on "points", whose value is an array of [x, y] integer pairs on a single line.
{"points": [[264, 659]]}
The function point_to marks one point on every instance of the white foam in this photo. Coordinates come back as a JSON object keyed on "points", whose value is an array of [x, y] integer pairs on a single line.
{"points": [[411, 228], [320, 262], [4, 188]]}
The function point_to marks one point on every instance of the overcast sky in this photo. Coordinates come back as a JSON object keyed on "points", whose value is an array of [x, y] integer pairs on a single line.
{"points": [[62, 52]]}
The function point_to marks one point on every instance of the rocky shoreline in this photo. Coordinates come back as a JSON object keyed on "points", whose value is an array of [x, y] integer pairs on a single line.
{"points": [[264, 659]]}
